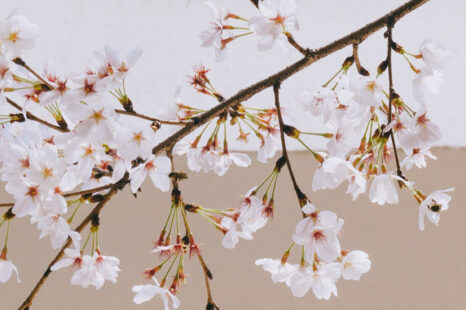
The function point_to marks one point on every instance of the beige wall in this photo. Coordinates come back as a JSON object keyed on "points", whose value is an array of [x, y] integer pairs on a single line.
{"points": [[411, 269]]}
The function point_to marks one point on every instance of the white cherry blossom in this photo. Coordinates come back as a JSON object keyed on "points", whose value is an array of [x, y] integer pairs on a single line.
{"points": [[6, 270], [279, 272], [354, 264], [275, 17], [432, 205], [18, 33], [318, 233], [157, 168], [434, 54], [417, 158], [147, 292], [383, 190]]}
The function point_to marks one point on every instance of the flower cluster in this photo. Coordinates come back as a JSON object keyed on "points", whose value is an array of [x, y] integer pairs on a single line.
{"points": [[89, 270], [67, 141], [323, 262], [276, 19]]}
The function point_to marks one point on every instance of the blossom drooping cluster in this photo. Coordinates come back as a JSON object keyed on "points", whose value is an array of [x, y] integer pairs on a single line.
{"points": [[66, 141], [357, 107], [276, 19], [323, 262]]}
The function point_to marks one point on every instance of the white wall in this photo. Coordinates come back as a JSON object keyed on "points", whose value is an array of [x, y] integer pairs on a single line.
{"points": [[168, 32]]}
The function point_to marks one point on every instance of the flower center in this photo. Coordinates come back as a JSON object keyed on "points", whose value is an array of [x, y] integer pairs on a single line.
{"points": [[13, 37], [278, 19], [318, 235], [32, 191], [371, 86]]}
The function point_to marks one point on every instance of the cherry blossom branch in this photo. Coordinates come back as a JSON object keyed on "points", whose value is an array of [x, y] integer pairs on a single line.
{"points": [[359, 67], [301, 196], [32, 117], [289, 36], [105, 198], [295, 44], [355, 37], [390, 94], [89, 191], [20, 62], [177, 195], [152, 119], [84, 192]]}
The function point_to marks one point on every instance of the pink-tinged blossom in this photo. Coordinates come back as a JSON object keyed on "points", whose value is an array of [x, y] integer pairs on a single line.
{"points": [[136, 141], [73, 257], [318, 233], [251, 217], [107, 266], [28, 198], [121, 64], [97, 123], [55, 227], [147, 292], [322, 281], [217, 35], [157, 168], [232, 235], [432, 205], [276, 16], [417, 158]]}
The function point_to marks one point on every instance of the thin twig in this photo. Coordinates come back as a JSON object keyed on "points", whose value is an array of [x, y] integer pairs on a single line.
{"points": [[84, 192], [89, 191], [153, 119], [32, 117], [20, 62], [359, 67], [390, 94], [314, 55], [296, 45], [205, 269], [116, 187], [301, 196]]}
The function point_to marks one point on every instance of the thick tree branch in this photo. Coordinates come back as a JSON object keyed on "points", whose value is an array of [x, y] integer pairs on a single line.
{"points": [[314, 55], [106, 198]]}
